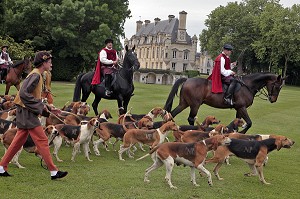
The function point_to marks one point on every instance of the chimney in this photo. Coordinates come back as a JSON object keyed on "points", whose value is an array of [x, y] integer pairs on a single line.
{"points": [[139, 24], [147, 22], [171, 17], [182, 20], [156, 20]]}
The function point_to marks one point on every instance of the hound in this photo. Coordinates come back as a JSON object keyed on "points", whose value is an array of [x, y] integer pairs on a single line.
{"points": [[107, 130], [190, 154], [209, 120], [149, 137], [77, 135], [252, 152], [153, 113], [8, 115]]}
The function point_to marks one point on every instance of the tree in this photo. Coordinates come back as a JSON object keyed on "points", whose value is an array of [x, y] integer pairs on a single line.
{"points": [[74, 30], [18, 51], [249, 26], [280, 39]]}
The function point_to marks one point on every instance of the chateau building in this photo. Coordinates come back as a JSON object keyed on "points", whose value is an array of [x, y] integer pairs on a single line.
{"points": [[164, 46]]}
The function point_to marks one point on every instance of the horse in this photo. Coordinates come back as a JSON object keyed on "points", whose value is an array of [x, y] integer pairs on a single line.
{"points": [[197, 91], [16, 72], [122, 84]]}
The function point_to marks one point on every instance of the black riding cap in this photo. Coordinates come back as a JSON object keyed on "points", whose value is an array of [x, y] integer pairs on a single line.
{"points": [[109, 41], [228, 47], [41, 57]]}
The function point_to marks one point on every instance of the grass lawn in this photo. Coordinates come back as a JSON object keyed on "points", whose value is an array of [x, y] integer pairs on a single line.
{"points": [[107, 177]]}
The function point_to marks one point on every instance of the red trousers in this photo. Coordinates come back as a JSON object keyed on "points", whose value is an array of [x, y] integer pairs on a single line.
{"points": [[41, 141]]}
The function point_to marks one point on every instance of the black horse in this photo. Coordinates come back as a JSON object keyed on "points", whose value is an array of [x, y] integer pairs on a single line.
{"points": [[196, 91], [122, 84]]}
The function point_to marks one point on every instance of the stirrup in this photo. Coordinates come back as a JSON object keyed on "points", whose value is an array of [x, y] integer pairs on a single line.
{"points": [[108, 93], [228, 101]]}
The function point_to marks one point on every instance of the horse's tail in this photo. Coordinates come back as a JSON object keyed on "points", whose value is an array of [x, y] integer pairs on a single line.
{"points": [[169, 102], [77, 89]]}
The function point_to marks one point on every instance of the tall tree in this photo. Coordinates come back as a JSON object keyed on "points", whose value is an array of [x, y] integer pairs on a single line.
{"points": [[280, 39], [74, 29]]}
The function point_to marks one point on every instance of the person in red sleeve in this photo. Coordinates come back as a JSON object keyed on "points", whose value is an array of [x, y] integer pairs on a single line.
{"points": [[108, 59], [222, 73]]}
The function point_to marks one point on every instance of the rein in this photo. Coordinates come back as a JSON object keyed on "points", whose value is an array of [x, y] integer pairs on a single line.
{"points": [[261, 91]]}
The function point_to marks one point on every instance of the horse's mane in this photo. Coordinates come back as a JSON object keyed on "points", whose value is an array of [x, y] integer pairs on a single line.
{"points": [[258, 76], [17, 63]]}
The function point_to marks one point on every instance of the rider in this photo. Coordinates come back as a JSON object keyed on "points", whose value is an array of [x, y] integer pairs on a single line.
{"points": [[222, 73], [5, 61], [108, 58]]}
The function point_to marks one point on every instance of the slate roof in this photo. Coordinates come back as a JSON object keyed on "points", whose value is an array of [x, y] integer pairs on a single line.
{"points": [[165, 26]]}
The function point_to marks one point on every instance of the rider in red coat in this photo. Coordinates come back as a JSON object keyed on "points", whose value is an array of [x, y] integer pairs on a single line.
{"points": [[222, 73], [108, 59]]}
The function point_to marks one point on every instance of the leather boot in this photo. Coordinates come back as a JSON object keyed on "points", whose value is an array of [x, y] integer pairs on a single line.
{"points": [[108, 91], [229, 93]]}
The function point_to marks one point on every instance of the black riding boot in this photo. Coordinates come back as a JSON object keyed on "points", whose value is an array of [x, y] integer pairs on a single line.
{"points": [[228, 95], [108, 78]]}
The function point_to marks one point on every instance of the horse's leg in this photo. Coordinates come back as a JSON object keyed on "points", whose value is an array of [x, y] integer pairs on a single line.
{"points": [[242, 113], [121, 106], [86, 91], [7, 87], [193, 112], [95, 104], [125, 103]]}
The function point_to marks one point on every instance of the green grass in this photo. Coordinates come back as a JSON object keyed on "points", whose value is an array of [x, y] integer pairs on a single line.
{"points": [[107, 177]]}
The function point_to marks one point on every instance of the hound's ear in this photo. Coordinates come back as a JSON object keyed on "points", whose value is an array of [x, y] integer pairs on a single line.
{"points": [[279, 78], [109, 115], [278, 143], [140, 124], [126, 48], [133, 48]]}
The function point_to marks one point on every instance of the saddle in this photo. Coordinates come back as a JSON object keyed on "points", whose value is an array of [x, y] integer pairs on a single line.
{"points": [[237, 87]]}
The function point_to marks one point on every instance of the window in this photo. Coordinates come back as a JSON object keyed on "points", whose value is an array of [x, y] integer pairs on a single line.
{"points": [[157, 52], [146, 64], [156, 65], [166, 55], [147, 53], [173, 66], [185, 55], [184, 67], [152, 65], [208, 71], [174, 53], [162, 53], [153, 53], [140, 53], [161, 65]]}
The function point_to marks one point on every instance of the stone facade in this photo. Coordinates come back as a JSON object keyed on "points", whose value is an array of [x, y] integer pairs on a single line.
{"points": [[165, 45]]}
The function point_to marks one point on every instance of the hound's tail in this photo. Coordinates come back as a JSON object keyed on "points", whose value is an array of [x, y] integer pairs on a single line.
{"points": [[152, 151]]}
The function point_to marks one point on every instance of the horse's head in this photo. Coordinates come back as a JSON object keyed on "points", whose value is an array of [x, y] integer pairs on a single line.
{"points": [[273, 87], [27, 65], [130, 58]]}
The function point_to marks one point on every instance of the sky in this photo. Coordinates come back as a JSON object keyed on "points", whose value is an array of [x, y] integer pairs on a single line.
{"points": [[197, 12]]}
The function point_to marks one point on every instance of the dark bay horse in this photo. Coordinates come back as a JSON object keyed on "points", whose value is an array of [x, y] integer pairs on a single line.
{"points": [[122, 85], [16, 72], [197, 91]]}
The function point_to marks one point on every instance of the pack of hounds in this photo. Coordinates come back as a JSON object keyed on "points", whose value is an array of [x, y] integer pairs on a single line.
{"points": [[167, 143]]}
